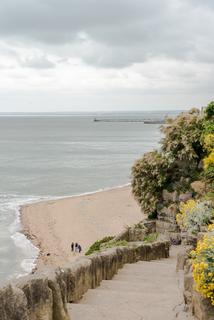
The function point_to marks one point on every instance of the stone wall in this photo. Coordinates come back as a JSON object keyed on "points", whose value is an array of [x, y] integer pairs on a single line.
{"points": [[137, 232], [44, 296], [166, 216]]}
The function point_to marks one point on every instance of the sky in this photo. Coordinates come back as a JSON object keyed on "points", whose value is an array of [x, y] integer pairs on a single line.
{"points": [[105, 55]]}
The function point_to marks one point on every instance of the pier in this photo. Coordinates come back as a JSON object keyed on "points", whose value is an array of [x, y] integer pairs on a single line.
{"points": [[145, 121]]}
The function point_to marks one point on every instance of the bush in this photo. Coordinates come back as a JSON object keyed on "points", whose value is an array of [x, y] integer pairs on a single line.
{"points": [[209, 161], [187, 140], [209, 142], [174, 167], [149, 176], [208, 127], [209, 111], [203, 265], [96, 245], [183, 135], [194, 214]]}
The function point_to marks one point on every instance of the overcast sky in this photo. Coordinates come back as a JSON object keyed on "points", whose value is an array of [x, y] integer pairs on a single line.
{"points": [[84, 55]]}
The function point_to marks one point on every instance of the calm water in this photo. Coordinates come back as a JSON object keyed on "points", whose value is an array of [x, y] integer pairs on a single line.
{"points": [[48, 156]]}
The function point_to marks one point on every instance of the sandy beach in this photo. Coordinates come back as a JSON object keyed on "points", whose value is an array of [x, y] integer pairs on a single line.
{"points": [[53, 225]]}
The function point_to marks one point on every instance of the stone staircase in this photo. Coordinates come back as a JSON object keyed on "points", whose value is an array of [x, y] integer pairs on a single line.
{"points": [[141, 291]]}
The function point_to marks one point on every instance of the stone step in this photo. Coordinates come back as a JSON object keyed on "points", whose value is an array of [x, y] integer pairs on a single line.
{"points": [[111, 297], [141, 291], [141, 277], [137, 286], [146, 270], [91, 312], [155, 262], [124, 312], [148, 265]]}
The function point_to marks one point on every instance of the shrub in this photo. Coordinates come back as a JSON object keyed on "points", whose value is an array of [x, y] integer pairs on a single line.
{"points": [[96, 245], [209, 166], [203, 265], [209, 142], [209, 111], [194, 214], [174, 167], [183, 135], [209, 161], [140, 225], [149, 176], [208, 127]]}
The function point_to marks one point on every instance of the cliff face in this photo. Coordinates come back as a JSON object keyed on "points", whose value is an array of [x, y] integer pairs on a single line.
{"points": [[45, 296]]}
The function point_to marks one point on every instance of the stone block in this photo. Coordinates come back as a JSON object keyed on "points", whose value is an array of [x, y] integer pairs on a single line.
{"points": [[13, 304], [199, 187], [169, 196], [185, 196]]}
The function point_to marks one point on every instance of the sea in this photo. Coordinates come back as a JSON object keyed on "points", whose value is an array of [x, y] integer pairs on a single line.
{"points": [[46, 156]]}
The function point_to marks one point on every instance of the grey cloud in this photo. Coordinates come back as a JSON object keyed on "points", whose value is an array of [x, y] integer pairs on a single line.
{"points": [[201, 3], [38, 63], [121, 32], [60, 20]]}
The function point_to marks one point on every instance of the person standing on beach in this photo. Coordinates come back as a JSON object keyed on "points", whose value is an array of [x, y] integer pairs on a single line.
{"points": [[80, 248], [72, 247], [76, 247]]}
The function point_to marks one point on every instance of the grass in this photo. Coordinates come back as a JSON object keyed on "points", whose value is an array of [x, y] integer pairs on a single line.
{"points": [[96, 245], [112, 244], [139, 225], [152, 237]]}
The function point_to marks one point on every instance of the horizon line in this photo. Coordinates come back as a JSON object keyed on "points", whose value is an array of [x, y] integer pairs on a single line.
{"points": [[91, 111]]}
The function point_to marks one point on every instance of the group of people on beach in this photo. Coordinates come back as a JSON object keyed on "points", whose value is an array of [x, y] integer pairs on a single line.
{"points": [[76, 247]]}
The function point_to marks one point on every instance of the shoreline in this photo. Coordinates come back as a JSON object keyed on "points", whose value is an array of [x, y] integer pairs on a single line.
{"points": [[51, 225], [29, 264]]}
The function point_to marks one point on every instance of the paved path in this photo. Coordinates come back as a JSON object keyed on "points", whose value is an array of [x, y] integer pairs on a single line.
{"points": [[141, 291]]}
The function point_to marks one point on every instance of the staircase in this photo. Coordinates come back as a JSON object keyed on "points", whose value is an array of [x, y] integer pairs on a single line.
{"points": [[141, 291]]}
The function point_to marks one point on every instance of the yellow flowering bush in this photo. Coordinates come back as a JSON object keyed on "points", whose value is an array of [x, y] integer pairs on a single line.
{"points": [[209, 161], [203, 265], [194, 214], [209, 141], [211, 227], [209, 167], [185, 208]]}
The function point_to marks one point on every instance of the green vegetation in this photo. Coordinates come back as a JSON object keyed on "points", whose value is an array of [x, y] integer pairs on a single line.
{"points": [[182, 137], [139, 225], [152, 237], [96, 245], [175, 166], [203, 265], [186, 155], [105, 243], [114, 243], [149, 178], [209, 111], [208, 141], [195, 214]]}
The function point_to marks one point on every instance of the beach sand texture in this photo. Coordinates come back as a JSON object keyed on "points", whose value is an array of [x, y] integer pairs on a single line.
{"points": [[53, 225]]}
